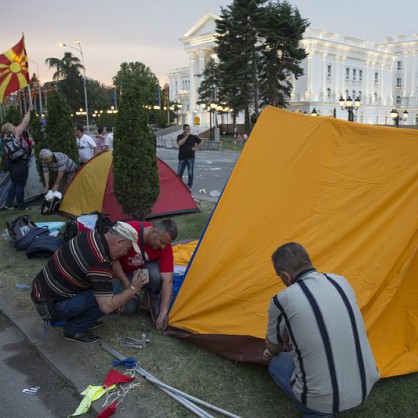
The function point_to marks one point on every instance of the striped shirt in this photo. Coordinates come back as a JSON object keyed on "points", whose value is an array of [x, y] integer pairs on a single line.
{"points": [[80, 264], [334, 365], [61, 163]]}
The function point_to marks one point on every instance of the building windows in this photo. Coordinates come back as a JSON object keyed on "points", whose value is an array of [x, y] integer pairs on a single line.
{"points": [[359, 94], [399, 65], [398, 100], [347, 74], [354, 94], [347, 94], [354, 74], [360, 75], [376, 78], [399, 83], [329, 71], [375, 97]]}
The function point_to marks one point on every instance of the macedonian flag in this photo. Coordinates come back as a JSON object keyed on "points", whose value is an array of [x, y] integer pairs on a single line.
{"points": [[14, 71]]}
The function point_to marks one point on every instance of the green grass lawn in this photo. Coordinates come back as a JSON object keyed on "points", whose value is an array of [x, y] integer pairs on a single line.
{"points": [[229, 144], [244, 389]]}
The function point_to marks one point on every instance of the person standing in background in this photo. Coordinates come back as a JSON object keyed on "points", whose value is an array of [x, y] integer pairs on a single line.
{"points": [[188, 145], [86, 145], [17, 157]]}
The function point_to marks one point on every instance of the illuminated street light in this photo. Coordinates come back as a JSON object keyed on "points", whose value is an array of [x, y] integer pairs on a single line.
{"points": [[350, 105], [80, 50], [394, 114]]}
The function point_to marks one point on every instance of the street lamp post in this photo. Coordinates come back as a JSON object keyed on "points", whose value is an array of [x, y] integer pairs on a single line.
{"points": [[350, 105], [394, 114], [212, 109], [39, 88], [80, 50]]}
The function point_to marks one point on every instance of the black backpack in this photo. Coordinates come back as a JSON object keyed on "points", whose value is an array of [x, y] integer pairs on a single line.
{"points": [[19, 227], [103, 223], [69, 231], [50, 206], [13, 148]]}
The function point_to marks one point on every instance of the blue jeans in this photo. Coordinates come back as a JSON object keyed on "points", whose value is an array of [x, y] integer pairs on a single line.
{"points": [[281, 369], [79, 312], [154, 286], [189, 163], [18, 172]]}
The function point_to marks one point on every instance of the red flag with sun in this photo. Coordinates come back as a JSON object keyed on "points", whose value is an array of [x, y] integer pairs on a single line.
{"points": [[14, 71]]}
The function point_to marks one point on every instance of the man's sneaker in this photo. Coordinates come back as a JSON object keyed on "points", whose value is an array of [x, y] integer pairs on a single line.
{"points": [[96, 325], [82, 337]]}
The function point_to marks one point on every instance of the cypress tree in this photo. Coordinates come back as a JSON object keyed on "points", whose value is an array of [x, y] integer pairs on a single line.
{"points": [[59, 127], [59, 131], [135, 170]]}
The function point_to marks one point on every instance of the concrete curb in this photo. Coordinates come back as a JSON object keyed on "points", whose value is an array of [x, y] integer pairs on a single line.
{"points": [[58, 354]]}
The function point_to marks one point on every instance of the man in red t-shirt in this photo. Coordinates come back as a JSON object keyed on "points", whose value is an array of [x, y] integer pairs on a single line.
{"points": [[156, 256]]}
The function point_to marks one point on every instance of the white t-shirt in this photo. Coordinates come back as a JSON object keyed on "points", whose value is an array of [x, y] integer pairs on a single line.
{"points": [[108, 141], [85, 145]]}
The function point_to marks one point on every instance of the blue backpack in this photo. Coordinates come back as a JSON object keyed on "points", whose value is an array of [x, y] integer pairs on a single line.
{"points": [[44, 246], [26, 240]]}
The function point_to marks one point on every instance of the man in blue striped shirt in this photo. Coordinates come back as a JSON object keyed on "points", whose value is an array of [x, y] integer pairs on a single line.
{"points": [[316, 340]]}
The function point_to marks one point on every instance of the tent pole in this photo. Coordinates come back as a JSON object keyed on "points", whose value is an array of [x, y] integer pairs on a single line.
{"points": [[186, 403]]}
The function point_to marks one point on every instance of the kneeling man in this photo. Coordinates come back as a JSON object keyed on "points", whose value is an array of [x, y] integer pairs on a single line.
{"points": [[156, 256], [329, 366], [75, 285]]}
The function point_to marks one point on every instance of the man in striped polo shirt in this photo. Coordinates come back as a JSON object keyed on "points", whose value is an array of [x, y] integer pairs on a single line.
{"points": [[316, 340], [75, 285], [60, 163]]}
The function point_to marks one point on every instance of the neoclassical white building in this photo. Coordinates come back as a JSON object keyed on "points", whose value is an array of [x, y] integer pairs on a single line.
{"points": [[383, 75]]}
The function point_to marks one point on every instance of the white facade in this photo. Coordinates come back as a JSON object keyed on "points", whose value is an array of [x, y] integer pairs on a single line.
{"points": [[383, 75]]}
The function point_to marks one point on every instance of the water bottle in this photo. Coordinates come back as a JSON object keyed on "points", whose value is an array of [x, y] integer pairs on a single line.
{"points": [[23, 286]]}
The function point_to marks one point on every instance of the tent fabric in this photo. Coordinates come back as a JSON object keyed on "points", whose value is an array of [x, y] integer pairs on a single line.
{"points": [[348, 193], [92, 190], [34, 189]]}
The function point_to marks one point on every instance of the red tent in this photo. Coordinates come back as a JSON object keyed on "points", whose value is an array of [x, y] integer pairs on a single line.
{"points": [[92, 190]]}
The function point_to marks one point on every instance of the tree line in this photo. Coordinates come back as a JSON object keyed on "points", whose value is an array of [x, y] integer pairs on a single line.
{"points": [[258, 52]]}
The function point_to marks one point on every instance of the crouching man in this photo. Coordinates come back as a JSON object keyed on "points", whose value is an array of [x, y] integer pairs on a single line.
{"points": [[329, 366], [75, 285], [155, 256]]}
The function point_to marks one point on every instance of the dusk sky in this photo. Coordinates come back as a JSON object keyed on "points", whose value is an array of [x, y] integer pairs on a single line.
{"points": [[112, 32]]}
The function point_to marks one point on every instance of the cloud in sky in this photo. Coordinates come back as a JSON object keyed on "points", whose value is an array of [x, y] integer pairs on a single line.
{"points": [[149, 31]]}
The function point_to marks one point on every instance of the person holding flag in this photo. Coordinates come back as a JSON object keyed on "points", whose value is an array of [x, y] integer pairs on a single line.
{"points": [[14, 75], [17, 161]]}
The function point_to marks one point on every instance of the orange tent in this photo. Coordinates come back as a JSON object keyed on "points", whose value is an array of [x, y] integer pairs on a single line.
{"points": [[348, 192]]}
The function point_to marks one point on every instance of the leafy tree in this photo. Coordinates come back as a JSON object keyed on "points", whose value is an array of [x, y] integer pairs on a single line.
{"points": [[99, 96], [258, 49], [236, 49], [136, 181], [59, 127], [12, 115], [281, 28], [69, 79], [64, 66], [209, 85], [138, 76]]}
